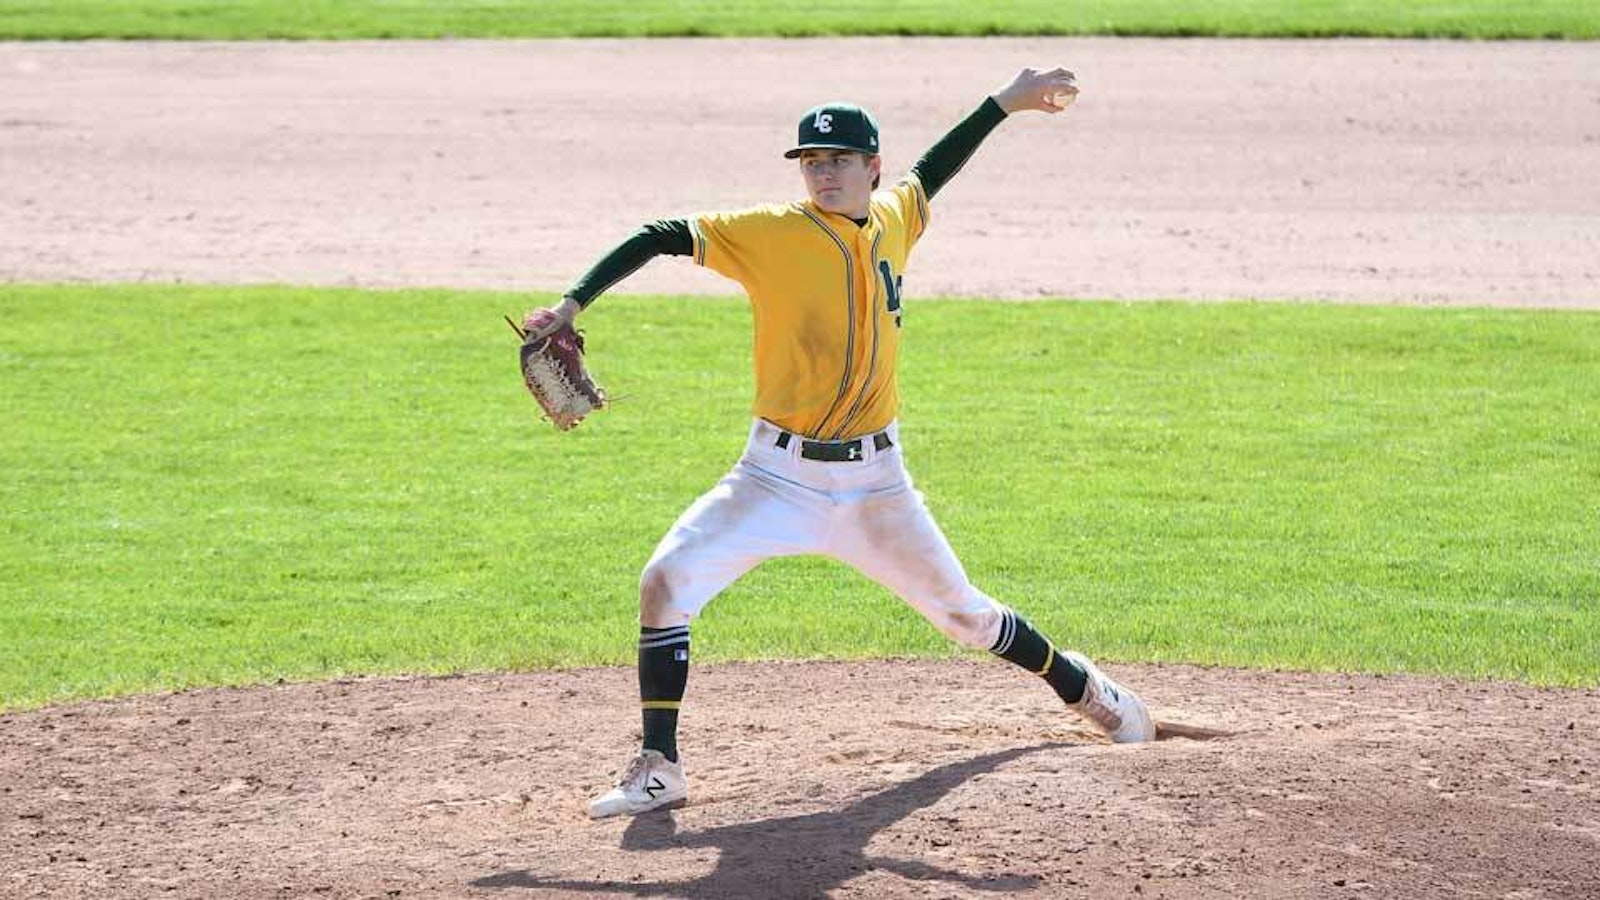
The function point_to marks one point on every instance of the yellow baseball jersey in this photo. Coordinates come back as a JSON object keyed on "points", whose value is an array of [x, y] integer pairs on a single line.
{"points": [[826, 300]]}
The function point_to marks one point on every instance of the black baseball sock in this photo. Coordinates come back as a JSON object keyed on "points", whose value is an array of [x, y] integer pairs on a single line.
{"points": [[663, 676], [1021, 644]]}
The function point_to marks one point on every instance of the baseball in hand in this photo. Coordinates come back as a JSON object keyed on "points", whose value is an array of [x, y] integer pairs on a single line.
{"points": [[1063, 99]]}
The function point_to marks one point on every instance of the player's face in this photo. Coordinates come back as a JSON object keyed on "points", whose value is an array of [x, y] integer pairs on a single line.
{"points": [[839, 181]]}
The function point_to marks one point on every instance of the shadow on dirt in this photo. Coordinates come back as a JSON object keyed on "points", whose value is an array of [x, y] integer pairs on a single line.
{"points": [[795, 856]]}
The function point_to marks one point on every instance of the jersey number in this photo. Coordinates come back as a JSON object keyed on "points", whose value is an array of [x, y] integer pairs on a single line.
{"points": [[891, 289]]}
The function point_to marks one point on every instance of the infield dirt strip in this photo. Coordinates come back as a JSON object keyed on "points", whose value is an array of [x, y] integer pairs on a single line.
{"points": [[1365, 171], [1373, 171]]}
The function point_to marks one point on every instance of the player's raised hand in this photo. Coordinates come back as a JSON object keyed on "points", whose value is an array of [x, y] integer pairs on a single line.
{"points": [[1050, 90]]}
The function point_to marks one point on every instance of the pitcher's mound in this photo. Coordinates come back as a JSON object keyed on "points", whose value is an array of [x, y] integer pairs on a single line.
{"points": [[870, 780]]}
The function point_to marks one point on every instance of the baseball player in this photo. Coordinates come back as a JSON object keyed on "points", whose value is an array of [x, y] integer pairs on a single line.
{"points": [[823, 471]]}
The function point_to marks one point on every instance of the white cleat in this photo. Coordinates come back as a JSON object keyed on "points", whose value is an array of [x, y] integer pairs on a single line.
{"points": [[1113, 708], [651, 781]]}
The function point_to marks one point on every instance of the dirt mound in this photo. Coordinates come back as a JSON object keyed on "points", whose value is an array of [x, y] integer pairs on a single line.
{"points": [[881, 780]]}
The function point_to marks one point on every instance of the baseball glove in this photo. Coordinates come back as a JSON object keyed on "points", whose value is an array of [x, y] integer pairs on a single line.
{"points": [[552, 369]]}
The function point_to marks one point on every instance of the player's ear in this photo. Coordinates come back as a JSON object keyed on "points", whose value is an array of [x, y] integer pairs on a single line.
{"points": [[875, 166]]}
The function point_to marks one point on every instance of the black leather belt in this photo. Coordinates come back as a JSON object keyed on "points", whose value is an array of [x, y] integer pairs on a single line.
{"points": [[836, 451]]}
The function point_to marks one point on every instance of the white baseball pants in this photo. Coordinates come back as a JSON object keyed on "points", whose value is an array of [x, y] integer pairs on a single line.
{"points": [[863, 513]]}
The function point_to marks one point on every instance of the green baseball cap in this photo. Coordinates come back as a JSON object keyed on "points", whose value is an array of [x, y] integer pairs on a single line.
{"points": [[837, 126]]}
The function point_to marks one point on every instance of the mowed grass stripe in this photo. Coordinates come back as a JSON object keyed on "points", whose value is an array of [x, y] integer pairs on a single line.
{"points": [[217, 486], [345, 19]]}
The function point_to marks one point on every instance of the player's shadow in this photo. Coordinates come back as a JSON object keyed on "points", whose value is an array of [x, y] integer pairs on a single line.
{"points": [[794, 856]]}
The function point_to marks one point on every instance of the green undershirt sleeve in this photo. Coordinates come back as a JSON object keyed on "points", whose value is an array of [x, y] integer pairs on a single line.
{"points": [[663, 237], [945, 158]]}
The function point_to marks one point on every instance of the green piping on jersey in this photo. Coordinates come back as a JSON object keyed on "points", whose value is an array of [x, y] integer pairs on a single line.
{"points": [[699, 242], [850, 319], [919, 191], [872, 363]]}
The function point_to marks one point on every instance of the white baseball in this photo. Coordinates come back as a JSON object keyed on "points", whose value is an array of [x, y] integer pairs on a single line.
{"points": [[1064, 98]]}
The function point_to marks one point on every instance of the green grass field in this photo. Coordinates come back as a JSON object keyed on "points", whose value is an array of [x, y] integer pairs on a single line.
{"points": [[254, 19], [218, 485]]}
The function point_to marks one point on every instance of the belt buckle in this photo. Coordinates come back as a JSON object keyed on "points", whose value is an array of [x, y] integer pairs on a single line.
{"points": [[852, 450], [833, 451]]}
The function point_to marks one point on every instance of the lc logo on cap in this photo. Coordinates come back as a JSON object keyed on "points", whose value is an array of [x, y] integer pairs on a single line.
{"points": [[837, 126]]}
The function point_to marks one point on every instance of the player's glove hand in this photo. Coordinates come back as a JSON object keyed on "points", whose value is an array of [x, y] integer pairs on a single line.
{"points": [[552, 366]]}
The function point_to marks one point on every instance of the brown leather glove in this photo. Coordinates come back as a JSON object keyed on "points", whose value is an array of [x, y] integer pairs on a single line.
{"points": [[552, 369]]}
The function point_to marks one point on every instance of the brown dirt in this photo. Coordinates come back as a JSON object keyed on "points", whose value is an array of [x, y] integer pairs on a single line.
{"points": [[880, 780], [1350, 170], [1370, 171]]}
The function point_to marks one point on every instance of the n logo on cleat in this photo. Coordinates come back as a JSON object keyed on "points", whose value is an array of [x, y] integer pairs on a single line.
{"points": [[654, 787]]}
